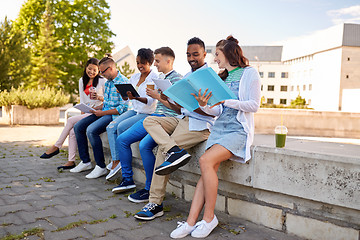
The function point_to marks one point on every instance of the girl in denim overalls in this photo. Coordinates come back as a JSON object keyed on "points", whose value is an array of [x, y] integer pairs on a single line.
{"points": [[230, 137]]}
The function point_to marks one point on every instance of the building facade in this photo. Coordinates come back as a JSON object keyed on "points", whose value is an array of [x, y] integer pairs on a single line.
{"points": [[323, 68]]}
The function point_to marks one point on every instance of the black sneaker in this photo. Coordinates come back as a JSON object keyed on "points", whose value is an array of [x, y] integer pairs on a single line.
{"points": [[140, 196], [175, 158], [124, 186], [150, 211]]}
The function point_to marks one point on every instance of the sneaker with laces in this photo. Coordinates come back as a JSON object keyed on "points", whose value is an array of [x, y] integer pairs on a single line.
{"points": [[175, 158], [150, 211], [203, 229], [126, 184], [140, 196], [81, 167], [182, 230]]}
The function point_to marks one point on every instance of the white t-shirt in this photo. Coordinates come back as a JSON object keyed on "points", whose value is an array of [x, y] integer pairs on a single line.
{"points": [[86, 98]]}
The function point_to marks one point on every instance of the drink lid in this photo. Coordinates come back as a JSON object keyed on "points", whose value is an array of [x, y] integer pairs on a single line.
{"points": [[281, 130]]}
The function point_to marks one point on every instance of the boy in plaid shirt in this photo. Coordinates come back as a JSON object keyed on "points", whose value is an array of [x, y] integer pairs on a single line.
{"points": [[92, 126]]}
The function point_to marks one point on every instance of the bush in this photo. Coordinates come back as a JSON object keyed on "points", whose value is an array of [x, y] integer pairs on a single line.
{"points": [[34, 98]]}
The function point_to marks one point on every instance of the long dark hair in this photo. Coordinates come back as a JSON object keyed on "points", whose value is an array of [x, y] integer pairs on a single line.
{"points": [[86, 78], [233, 53]]}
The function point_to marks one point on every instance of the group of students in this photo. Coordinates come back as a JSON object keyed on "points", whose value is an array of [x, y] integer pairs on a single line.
{"points": [[156, 120]]}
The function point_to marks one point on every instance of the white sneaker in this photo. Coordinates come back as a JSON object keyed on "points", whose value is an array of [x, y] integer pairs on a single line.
{"points": [[114, 171], [183, 229], [109, 166], [97, 172], [203, 229], [81, 167]]}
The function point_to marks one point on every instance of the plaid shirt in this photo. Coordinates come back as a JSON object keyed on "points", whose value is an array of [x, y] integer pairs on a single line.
{"points": [[112, 99]]}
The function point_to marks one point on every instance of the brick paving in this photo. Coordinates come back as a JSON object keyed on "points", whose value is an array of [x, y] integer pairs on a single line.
{"points": [[33, 194]]}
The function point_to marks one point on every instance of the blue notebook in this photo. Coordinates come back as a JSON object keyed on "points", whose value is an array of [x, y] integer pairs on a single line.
{"points": [[205, 78]]}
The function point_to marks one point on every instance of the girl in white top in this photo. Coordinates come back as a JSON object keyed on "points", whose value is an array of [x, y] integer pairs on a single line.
{"points": [[90, 79], [143, 106], [230, 137]]}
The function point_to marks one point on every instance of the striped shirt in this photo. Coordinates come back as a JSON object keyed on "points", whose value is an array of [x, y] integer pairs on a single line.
{"points": [[173, 77], [112, 99]]}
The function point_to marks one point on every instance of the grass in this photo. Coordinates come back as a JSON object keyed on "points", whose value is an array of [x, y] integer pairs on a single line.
{"points": [[78, 224], [31, 232]]}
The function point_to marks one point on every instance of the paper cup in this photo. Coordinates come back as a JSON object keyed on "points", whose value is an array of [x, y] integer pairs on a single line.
{"points": [[151, 86]]}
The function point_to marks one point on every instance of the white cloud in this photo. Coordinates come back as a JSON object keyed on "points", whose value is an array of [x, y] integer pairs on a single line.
{"points": [[348, 15]]}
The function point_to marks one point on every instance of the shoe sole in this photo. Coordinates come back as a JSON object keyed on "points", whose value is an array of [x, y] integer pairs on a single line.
{"points": [[137, 201], [91, 177], [82, 170], [120, 190], [159, 214], [174, 166]]}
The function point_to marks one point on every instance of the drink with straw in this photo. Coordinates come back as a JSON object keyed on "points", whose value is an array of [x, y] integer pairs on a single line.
{"points": [[280, 136]]}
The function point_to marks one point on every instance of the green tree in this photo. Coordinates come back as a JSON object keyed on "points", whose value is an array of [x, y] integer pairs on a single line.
{"points": [[81, 29], [299, 102], [14, 57], [44, 71], [126, 70]]}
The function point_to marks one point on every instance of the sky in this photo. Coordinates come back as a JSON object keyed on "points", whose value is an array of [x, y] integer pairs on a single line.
{"points": [[157, 23]]}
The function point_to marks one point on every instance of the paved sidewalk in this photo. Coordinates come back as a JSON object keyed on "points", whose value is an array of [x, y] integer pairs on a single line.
{"points": [[35, 196]]}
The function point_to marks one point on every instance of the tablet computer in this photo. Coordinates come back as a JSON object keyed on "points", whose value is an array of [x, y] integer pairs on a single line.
{"points": [[123, 88]]}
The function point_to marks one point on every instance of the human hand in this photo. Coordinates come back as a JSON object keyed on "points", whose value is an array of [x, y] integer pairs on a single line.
{"points": [[152, 93], [98, 113], [163, 96], [131, 97], [202, 98]]}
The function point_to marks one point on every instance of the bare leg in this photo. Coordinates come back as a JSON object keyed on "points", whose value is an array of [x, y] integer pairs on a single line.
{"points": [[205, 194], [115, 163], [52, 149], [209, 164]]}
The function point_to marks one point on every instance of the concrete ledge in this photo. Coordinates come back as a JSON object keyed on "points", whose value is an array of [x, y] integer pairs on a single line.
{"points": [[16, 114], [313, 184], [306, 122]]}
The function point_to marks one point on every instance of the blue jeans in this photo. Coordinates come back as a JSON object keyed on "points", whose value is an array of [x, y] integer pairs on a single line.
{"points": [[91, 127], [136, 133], [118, 126]]}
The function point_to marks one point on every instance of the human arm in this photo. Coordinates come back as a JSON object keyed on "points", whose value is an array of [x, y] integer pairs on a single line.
{"points": [[101, 113]]}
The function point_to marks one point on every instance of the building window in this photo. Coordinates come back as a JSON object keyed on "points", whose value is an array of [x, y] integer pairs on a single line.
{"points": [[309, 101], [270, 100], [208, 50], [271, 88], [283, 88], [261, 74], [284, 75], [292, 88], [261, 87], [347, 76], [348, 59], [304, 87], [283, 101], [310, 87], [297, 88], [271, 74]]}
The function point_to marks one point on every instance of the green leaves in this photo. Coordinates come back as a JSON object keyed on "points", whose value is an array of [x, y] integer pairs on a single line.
{"points": [[14, 57], [33, 98], [80, 31]]}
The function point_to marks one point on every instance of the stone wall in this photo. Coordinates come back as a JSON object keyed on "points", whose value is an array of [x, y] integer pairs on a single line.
{"points": [[301, 122], [16, 114], [312, 193]]}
